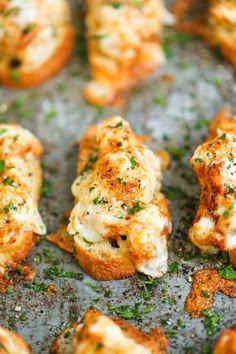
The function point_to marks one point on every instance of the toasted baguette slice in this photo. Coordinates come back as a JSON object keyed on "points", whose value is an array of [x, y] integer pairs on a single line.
{"points": [[213, 227], [124, 45], [12, 343], [226, 342], [32, 51], [120, 222], [20, 184], [109, 335], [212, 20]]}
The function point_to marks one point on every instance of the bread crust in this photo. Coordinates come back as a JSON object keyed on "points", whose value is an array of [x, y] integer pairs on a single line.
{"points": [[12, 343], [139, 53], [66, 341], [20, 222], [103, 265], [45, 70]]}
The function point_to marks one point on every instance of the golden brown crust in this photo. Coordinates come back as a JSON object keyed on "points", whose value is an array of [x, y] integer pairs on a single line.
{"points": [[26, 79], [103, 264], [62, 239], [20, 184], [12, 343], [226, 342], [205, 283], [70, 338], [133, 53]]}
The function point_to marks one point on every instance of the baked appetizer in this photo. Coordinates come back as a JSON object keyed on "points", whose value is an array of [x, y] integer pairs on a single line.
{"points": [[214, 164], [12, 343], [20, 183], [36, 39], [226, 342], [102, 334], [124, 45], [214, 20], [120, 222]]}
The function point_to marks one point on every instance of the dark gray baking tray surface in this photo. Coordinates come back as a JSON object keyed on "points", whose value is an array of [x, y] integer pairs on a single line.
{"points": [[175, 113]]}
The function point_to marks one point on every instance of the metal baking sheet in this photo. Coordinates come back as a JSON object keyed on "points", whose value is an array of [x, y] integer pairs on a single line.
{"points": [[172, 106]]}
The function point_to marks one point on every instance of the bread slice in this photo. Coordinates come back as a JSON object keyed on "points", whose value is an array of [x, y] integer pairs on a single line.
{"points": [[124, 45], [12, 343], [120, 222], [31, 53], [212, 20], [20, 184], [81, 337]]}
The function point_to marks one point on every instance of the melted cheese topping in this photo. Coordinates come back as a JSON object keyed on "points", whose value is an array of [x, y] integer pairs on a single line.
{"points": [[222, 20], [105, 335], [214, 163], [120, 195], [20, 178], [120, 38], [30, 31]]}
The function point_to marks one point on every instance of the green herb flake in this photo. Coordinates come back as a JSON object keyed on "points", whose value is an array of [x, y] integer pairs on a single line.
{"points": [[222, 137], [99, 345], [205, 294], [93, 286], [45, 189], [7, 181], [51, 114], [3, 130], [99, 200], [228, 272], [135, 209], [129, 312], [2, 165], [211, 321], [159, 100], [228, 210], [174, 267], [10, 206], [118, 125], [133, 162]]}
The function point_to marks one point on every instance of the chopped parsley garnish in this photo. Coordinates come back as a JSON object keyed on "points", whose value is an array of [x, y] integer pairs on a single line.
{"points": [[205, 293], [228, 272], [2, 346], [135, 209], [228, 210], [118, 125], [2, 165], [222, 137], [10, 206], [54, 271], [120, 180], [120, 215], [174, 267], [37, 286], [3, 130], [51, 114], [45, 189], [174, 192], [99, 200], [99, 345], [196, 161], [93, 286], [7, 181], [129, 312], [14, 75], [211, 321], [133, 162], [159, 100], [201, 122]]}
